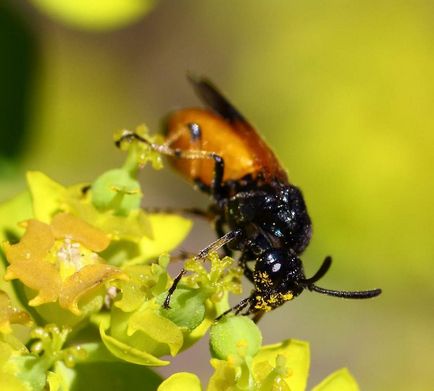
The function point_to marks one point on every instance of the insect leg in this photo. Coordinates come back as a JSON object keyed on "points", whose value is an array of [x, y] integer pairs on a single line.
{"points": [[246, 270], [182, 255], [177, 153], [220, 232], [257, 316], [236, 309], [241, 306], [231, 235], [195, 134], [205, 214]]}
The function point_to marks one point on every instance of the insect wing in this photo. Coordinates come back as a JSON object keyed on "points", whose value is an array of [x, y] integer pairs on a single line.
{"points": [[265, 160]]}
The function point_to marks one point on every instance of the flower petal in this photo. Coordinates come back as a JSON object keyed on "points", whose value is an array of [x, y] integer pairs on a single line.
{"points": [[27, 262], [159, 329], [129, 353], [142, 280], [180, 382], [168, 231], [81, 282], [11, 315], [297, 359], [46, 195], [129, 228], [234, 335], [65, 225], [225, 376], [341, 380], [132, 227]]}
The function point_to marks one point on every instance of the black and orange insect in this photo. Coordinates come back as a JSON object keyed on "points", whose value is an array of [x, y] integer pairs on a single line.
{"points": [[257, 212]]}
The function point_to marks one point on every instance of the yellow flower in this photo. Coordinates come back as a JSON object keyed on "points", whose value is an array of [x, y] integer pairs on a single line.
{"points": [[280, 367], [60, 261]]}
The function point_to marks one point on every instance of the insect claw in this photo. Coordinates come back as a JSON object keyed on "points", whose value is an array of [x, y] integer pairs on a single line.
{"points": [[166, 304]]}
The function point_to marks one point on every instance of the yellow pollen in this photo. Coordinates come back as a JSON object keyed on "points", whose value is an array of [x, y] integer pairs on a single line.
{"points": [[263, 278], [262, 304], [287, 296]]}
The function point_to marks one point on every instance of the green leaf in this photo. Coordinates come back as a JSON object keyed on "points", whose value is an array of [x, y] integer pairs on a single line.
{"points": [[107, 376], [341, 380], [181, 381]]}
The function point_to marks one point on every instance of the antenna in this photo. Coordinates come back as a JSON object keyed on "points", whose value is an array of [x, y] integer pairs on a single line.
{"points": [[346, 294], [321, 271], [309, 283]]}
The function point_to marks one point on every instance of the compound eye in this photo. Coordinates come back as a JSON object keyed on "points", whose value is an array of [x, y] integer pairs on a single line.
{"points": [[270, 269], [275, 261], [279, 271], [276, 267]]}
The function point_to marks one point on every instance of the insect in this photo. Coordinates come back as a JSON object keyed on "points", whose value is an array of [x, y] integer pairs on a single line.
{"points": [[257, 212]]}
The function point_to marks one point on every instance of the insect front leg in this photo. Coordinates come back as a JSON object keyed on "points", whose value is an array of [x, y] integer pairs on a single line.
{"points": [[189, 154], [219, 228], [215, 246]]}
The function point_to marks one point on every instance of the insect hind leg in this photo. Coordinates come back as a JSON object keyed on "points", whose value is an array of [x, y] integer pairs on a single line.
{"points": [[197, 212]]}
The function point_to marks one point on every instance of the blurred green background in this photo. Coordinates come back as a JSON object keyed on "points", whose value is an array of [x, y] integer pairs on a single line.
{"points": [[342, 90]]}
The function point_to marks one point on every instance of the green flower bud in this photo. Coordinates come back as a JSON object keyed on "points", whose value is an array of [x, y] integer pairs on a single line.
{"points": [[187, 308], [235, 335], [116, 189]]}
